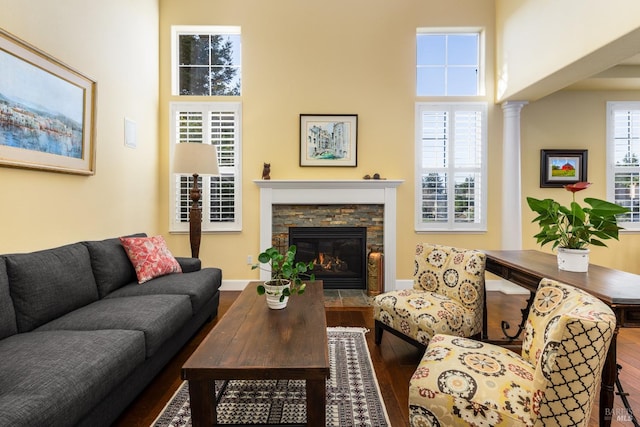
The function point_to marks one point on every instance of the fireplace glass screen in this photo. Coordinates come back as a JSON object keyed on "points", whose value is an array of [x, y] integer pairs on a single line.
{"points": [[338, 254]]}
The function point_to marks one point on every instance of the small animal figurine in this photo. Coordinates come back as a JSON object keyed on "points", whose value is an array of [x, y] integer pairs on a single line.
{"points": [[266, 171]]}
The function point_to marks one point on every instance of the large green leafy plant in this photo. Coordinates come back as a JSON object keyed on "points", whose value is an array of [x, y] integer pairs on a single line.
{"points": [[284, 268], [576, 227]]}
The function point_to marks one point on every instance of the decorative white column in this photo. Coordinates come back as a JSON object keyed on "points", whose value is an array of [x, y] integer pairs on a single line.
{"points": [[511, 172]]}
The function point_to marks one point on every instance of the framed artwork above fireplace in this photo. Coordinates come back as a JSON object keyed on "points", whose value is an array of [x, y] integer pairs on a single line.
{"points": [[328, 140]]}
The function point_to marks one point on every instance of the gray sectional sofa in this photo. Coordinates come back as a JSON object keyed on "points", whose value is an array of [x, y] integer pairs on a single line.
{"points": [[80, 338]]}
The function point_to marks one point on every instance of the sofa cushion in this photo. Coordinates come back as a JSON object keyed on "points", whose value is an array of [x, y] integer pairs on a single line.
{"points": [[7, 313], [111, 265], [200, 286], [49, 283], [158, 316], [150, 257], [54, 378]]}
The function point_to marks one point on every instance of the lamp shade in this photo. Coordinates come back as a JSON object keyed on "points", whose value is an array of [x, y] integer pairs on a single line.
{"points": [[201, 159]]}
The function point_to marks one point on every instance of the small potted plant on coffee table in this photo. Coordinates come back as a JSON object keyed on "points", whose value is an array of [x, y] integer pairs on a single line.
{"points": [[286, 276], [572, 229]]}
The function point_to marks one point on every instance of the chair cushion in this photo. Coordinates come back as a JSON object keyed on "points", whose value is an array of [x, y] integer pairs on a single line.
{"points": [[49, 283], [460, 381], [456, 273], [150, 257], [422, 314]]}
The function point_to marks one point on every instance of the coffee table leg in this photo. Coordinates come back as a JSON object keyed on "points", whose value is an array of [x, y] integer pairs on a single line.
{"points": [[203, 407], [316, 402]]}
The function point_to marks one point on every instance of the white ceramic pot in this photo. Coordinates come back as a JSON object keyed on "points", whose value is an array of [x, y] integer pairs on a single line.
{"points": [[576, 260], [274, 291]]}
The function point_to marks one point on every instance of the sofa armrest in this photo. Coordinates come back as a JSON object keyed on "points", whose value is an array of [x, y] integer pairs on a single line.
{"points": [[189, 265]]}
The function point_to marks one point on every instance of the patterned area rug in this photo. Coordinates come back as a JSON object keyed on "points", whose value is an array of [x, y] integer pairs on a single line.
{"points": [[353, 394]]}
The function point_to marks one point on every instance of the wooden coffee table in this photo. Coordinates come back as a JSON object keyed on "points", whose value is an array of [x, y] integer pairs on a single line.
{"points": [[252, 341]]}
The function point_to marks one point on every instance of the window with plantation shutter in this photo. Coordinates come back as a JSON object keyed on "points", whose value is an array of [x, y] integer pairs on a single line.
{"points": [[451, 166], [208, 123], [623, 158]]}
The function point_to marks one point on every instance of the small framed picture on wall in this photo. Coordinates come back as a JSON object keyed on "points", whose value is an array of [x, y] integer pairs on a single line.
{"points": [[562, 167], [328, 140]]}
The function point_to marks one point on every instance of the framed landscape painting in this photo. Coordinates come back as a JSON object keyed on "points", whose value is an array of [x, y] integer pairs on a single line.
{"points": [[562, 167], [328, 140], [47, 111]]}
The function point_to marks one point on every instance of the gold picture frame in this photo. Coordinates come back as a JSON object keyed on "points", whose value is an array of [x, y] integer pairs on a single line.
{"points": [[47, 111]]}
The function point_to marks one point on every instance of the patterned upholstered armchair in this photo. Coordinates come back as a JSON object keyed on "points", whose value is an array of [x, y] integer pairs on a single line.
{"points": [[462, 382], [447, 297]]}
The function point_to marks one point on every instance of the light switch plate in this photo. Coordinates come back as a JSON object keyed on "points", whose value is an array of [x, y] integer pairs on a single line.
{"points": [[130, 133]]}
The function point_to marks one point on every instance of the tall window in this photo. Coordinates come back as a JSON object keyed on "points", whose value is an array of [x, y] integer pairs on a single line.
{"points": [[623, 159], [208, 123], [449, 62], [451, 146], [206, 60]]}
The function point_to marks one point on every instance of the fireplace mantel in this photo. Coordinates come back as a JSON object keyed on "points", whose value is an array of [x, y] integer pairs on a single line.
{"points": [[315, 192], [330, 183]]}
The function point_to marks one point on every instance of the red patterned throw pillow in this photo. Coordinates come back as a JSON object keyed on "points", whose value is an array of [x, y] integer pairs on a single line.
{"points": [[150, 257]]}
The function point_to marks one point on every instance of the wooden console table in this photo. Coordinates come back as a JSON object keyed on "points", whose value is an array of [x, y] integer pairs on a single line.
{"points": [[618, 289]]}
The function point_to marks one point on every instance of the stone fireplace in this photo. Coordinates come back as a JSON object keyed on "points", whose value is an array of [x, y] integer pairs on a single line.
{"points": [[331, 203]]}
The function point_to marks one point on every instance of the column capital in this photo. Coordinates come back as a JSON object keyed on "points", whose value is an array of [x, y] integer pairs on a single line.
{"points": [[513, 107]]}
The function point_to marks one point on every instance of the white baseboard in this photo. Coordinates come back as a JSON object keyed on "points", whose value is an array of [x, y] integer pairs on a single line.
{"points": [[498, 285], [505, 287], [402, 284], [234, 285]]}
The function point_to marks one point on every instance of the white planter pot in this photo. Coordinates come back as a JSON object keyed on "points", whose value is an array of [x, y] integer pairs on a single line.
{"points": [[273, 294], [576, 260]]}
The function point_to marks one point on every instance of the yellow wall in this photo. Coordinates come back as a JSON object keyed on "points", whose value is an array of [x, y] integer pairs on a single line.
{"points": [[115, 43], [573, 120], [298, 57], [355, 57]]}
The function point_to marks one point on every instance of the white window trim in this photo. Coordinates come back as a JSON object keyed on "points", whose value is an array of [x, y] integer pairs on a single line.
{"points": [[611, 167], [450, 226], [482, 90], [183, 227], [177, 30]]}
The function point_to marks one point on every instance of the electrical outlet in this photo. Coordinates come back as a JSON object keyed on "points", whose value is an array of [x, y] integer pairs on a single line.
{"points": [[249, 260]]}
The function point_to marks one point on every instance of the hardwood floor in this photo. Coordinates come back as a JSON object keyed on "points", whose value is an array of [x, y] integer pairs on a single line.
{"points": [[394, 362]]}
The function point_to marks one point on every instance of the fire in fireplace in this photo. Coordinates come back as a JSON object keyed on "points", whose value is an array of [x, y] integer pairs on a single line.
{"points": [[338, 254]]}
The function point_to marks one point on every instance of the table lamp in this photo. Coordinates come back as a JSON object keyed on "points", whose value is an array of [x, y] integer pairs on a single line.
{"points": [[196, 159]]}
